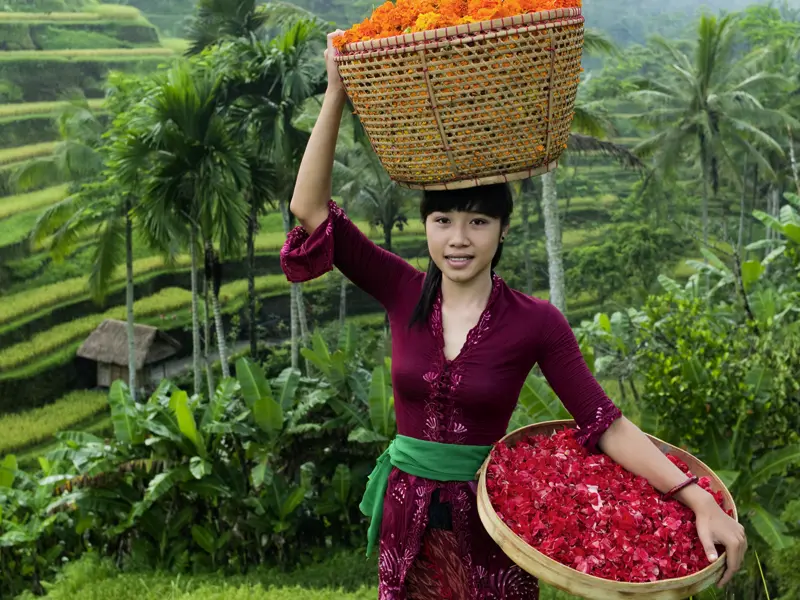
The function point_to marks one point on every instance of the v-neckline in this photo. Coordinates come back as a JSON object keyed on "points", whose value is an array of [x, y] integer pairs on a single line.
{"points": [[437, 323]]}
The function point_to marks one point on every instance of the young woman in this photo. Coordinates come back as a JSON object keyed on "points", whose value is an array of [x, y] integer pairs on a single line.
{"points": [[463, 343]]}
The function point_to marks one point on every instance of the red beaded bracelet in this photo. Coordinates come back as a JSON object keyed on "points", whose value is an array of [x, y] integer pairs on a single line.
{"points": [[680, 486]]}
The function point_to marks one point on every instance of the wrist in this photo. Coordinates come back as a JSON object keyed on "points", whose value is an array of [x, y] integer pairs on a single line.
{"points": [[335, 91], [695, 497]]}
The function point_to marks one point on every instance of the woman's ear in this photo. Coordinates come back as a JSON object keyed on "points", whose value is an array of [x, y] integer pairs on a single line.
{"points": [[504, 233]]}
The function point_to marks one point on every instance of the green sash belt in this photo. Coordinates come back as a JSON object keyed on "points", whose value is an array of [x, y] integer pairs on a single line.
{"points": [[431, 460]]}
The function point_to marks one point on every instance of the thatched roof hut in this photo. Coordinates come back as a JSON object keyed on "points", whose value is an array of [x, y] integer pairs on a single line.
{"points": [[108, 346]]}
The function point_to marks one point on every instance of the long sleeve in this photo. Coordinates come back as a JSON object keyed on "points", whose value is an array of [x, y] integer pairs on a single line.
{"points": [[338, 242], [568, 374]]}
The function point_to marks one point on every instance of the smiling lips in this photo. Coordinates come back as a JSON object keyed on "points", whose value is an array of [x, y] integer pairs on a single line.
{"points": [[458, 261]]}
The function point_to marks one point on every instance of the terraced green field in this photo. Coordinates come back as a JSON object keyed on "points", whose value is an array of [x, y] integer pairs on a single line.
{"points": [[95, 53], [12, 205], [9, 156], [100, 13], [40, 108]]}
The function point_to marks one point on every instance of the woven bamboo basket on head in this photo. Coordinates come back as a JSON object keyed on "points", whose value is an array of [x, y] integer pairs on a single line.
{"points": [[468, 105], [581, 584]]}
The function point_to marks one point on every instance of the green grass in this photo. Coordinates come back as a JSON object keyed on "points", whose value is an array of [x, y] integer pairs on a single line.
{"points": [[12, 205], [25, 109], [22, 430], [9, 156], [96, 53], [339, 576], [16, 228], [179, 45], [102, 12]]}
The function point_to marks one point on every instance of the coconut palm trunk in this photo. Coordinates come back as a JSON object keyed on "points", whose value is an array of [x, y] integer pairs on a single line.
{"points": [[251, 277], [793, 160], [525, 198], [207, 340], [303, 320], [218, 325], [129, 301], [343, 301], [293, 315], [195, 311], [552, 232]]}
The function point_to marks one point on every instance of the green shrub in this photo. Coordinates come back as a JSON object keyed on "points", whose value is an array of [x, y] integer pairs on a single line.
{"points": [[22, 430], [15, 36]]}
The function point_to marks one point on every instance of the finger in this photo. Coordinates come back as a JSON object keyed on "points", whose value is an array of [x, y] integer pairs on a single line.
{"points": [[707, 541], [734, 549]]}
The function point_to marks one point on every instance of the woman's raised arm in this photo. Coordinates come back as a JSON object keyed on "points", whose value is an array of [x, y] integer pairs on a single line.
{"points": [[326, 237], [312, 190]]}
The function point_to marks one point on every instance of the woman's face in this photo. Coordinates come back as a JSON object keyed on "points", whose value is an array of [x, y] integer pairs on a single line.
{"points": [[462, 244]]}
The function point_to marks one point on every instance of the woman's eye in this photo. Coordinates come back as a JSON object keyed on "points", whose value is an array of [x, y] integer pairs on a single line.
{"points": [[480, 221], [443, 220]]}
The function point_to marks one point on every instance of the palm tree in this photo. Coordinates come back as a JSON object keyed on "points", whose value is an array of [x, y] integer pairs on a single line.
{"points": [[704, 106], [198, 175], [587, 119], [97, 208], [275, 79]]}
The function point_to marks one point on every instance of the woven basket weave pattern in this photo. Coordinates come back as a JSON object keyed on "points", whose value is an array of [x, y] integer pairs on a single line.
{"points": [[485, 101]]}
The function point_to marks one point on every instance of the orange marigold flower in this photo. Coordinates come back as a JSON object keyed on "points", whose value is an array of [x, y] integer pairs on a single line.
{"points": [[406, 16]]}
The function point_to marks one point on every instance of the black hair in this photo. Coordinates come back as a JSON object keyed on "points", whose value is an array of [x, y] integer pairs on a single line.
{"points": [[493, 200]]}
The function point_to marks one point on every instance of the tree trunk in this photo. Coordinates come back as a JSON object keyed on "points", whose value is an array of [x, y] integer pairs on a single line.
{"points": [[387, 236], [303, 319], [218, 325], [251, 278], [343, 301], [552, 231], [526, 241], [129, 301], [740, 239], [207, 340], [195, 316], [793, 160], [293, 316]]}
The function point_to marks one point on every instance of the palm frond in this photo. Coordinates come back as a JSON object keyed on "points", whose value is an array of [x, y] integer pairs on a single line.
{"points": [[585, 144], [109, 253]]}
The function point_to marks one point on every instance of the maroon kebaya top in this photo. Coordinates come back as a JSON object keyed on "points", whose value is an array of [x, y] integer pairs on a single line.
{"points": [[468, 400]]}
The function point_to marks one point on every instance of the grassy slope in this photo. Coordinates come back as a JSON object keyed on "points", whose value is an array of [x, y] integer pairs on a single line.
{"points": [[100, 53], [101, 12], [9, 156], [28, 109], [12, 205]]}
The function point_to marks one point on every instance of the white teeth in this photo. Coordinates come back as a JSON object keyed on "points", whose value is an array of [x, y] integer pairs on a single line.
{"points": [[459, 259]]}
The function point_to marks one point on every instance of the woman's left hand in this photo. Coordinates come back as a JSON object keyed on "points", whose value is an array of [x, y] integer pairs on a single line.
{"points": [[716, 527]]}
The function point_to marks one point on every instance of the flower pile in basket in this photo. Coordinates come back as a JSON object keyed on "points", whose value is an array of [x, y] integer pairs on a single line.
{"points": [[588, 513], [409, 16]]}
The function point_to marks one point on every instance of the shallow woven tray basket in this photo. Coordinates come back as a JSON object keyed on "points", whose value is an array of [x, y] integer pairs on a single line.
{"points": [[581, 584], [468, 105]]}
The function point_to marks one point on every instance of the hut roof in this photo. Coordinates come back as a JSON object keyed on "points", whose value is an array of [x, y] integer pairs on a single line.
{"points": [[109, 344]]}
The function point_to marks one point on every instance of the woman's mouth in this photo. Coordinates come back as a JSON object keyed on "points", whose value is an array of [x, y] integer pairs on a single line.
{"points": [[458, 261]]}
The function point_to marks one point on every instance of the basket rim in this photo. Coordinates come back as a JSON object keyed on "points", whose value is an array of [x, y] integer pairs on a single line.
{"points": [[459, 31], [621, 586], [458, 184]]}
